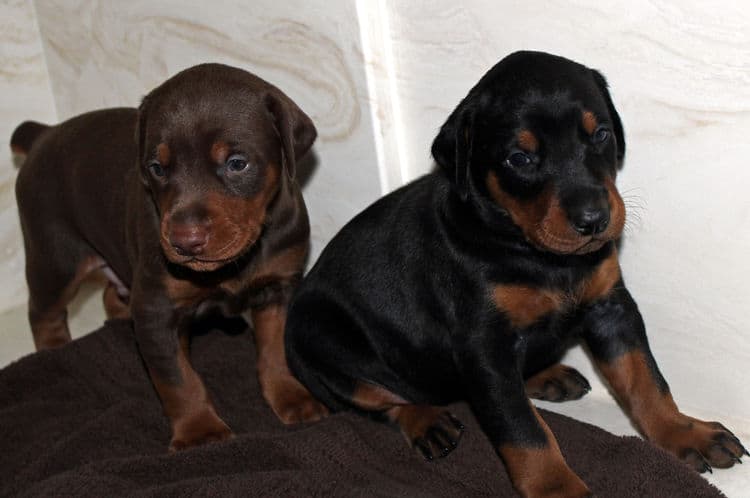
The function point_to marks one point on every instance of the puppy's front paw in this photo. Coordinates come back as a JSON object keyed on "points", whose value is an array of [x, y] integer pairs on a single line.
{"points": [[290, 400], [701, 444], [557, 383], [195, 430]]}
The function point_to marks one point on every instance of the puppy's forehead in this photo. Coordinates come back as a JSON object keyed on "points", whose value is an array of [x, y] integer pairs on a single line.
{"points": [[527, 82], [209, 93]]}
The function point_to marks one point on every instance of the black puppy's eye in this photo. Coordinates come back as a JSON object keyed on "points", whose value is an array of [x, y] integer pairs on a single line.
{"points": [[236, 163], [156, 169], [600, 135], [518, 160]]}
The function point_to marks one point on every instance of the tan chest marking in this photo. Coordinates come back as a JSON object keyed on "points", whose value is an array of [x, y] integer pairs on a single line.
{"points": [[601, 282], [184, 293], [524, 305], [282, 266]]}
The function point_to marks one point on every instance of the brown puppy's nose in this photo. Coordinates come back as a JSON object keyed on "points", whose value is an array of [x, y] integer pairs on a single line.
{"points": [[188, 240]]}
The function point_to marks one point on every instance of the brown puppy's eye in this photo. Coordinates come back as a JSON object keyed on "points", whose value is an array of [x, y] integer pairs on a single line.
{"points": [[518, 160], [156, 169], [236, 163], [600, 135]]}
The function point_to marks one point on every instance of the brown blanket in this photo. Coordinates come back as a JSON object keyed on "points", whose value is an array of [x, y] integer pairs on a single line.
{"points": [[84, 421]]}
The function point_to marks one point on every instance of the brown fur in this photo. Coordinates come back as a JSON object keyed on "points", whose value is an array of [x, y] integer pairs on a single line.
{"points": [[194, 236]]}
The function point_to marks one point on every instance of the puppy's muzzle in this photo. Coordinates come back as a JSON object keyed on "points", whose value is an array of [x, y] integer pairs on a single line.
{"points": [[588, 211], [188, 239]]}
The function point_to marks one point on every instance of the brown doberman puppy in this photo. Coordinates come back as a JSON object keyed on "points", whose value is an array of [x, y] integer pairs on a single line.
{"points": [[187, 204]]}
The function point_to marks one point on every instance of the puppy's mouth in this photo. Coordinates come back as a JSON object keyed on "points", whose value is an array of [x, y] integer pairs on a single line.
{"points": [[548, 242], [203, 265], [215, 260], [592, 245]]}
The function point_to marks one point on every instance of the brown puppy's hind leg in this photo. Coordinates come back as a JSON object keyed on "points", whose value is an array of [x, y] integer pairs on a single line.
{"points": [[50, 292], [114, 305]]}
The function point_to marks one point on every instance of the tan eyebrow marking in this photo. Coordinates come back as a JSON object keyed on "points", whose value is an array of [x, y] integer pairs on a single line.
{"points": [[527, 141], [162, 153], [589, 122], [219, 151]]}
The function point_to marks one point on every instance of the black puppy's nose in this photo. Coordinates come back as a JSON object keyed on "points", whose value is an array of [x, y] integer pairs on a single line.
{"points": [[589, 221], [188, 240]]}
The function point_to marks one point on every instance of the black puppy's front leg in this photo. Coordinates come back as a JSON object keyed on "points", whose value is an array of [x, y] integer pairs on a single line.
{"points": [[616, 336], [497, 395]]}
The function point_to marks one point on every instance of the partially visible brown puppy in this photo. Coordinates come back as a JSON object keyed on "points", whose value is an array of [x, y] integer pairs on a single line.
{"points": [[187, 203]]}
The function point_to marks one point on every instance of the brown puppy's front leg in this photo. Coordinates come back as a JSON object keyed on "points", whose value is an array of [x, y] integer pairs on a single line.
{"points": [[617, 339], [184, 398], [288, 398]]}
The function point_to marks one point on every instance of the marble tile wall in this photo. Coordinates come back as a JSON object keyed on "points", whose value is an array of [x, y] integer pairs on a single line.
{"points": [[24, 93]]}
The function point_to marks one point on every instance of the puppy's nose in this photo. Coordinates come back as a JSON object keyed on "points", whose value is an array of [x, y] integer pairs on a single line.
{"points": [[589, 220], [188, 240]]}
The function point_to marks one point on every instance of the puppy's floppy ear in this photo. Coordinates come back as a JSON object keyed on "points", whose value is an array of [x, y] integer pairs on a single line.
{"points": [[140, 137], [452, 147], [601, 82], [296, 130]]}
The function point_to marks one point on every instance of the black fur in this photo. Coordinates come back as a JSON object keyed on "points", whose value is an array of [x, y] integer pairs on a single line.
{"points": [[402, 297]]}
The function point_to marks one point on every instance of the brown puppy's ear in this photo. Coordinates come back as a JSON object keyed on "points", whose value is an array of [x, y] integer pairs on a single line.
{"points": [[295, 128], [140, 138], [451, 149], [601, 82]]}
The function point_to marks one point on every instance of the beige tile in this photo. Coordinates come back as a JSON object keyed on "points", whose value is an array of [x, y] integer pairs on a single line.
{"points": [[24, 94]]}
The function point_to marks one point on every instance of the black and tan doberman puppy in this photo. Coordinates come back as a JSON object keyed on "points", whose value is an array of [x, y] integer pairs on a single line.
{"points": [[471, 282], [186, 203]]}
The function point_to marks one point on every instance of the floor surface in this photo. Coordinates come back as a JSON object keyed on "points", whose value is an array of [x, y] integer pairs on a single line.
{"points": [[596, 408]]}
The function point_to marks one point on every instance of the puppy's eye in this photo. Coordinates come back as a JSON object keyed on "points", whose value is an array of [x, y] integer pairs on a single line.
{"points": [[518, 160], [236, 163], [156, 169], [600, 135]]}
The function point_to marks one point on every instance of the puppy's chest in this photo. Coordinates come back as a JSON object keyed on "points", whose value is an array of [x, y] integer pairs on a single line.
{"points": [[255, 285], [525, 305], [229, 295]]}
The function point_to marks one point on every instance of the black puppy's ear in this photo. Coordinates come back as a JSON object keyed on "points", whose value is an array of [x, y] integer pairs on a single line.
{"points": [[451, 149], [295, 128], [601, 82]]}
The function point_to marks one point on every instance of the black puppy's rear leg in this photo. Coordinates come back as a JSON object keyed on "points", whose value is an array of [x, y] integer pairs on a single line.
{"points": [[557, 383], [431, 430]]}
